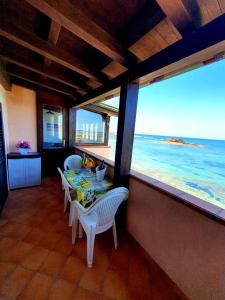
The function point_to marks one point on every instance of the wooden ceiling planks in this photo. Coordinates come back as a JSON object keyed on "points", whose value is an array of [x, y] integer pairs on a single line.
{"points": [[210, 9], [162, 35], [22, 57], [38, 45], [93, 83], [75, 20], [90, 43], [113, 69], [222, 5], [178, 14]]}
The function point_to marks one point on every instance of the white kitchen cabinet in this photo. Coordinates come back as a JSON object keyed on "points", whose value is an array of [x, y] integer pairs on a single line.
{"points": [[24, 170]]}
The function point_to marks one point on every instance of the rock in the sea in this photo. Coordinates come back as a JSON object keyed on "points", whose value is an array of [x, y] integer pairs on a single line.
{"points": [[175, 140], [179, 142]]}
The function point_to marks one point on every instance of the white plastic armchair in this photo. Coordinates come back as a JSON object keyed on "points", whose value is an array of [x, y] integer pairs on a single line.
{"points": [[72, 162], [98, 218], [67, 196]]}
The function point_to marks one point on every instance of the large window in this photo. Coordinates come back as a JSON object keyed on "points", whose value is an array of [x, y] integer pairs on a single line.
{"points": [[90, 127], [180, 132]]}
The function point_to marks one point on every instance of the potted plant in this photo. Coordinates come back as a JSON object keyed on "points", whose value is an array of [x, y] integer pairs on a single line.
{"points": [[23, 147]]}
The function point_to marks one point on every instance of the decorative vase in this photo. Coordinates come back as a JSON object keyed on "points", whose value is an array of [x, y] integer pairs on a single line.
{"points": [[23, 151]]}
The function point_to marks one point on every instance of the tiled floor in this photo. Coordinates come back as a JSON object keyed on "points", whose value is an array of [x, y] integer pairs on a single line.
{"points": [[38, 261]]}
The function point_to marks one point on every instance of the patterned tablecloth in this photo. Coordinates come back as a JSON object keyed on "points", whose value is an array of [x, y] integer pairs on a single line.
{"points": [[87, 187]]}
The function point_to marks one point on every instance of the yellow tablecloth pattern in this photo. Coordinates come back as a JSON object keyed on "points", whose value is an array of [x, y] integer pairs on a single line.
{"points": [[87, 187]]}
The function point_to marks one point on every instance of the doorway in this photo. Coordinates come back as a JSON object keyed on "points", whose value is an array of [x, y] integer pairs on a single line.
{"points": [[53, 132]]}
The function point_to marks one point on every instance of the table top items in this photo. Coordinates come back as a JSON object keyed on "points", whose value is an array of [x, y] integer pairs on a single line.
{"points": [[87, 162], [86, 185]]}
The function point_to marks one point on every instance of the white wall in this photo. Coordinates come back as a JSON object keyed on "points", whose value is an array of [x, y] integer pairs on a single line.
{"points": [[22, 116]]}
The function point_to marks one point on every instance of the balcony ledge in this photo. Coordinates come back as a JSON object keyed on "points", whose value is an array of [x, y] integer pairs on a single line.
{"points": [[204, 207]]}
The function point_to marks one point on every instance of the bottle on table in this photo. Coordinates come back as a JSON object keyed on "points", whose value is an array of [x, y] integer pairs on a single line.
{"points": [[101, 166]]}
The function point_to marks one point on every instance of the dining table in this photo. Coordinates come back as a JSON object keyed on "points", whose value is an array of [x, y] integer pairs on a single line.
{"points": [[88, 189]]}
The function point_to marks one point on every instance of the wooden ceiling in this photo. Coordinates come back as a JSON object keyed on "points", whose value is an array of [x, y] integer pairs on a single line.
{"points": [[76, 47]]}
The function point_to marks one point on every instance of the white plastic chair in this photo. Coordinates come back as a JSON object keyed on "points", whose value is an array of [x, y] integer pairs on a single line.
{"points": [[98, 218], [72, 162], [67, 196]]}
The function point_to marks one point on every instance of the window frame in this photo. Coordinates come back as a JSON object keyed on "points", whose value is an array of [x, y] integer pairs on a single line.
{"points": [[106, 120]]}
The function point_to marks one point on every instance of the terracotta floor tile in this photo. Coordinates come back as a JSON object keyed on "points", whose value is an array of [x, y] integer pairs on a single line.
{"points": [[5, 269], [101, 254], [139, 265], [63, 228], [35, 258], [53, 263], [138, 287], [80, 249], [82, 294], [34, 236], [6, 244], [37, 218], [15, 230], [119, 261], [64, 245], [114, 285], [37, 288], [92, 278], [49, 240], [47, 225], [3, 221], [11, 287], [61, 290], [161, 290], [72, 269], [55, 216], [19, 252]]}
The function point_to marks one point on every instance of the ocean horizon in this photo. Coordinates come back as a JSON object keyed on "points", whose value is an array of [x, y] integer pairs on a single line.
{"points": [[196, 168]]}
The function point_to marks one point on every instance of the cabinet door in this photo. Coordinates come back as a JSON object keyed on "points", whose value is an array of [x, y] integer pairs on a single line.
{"points": [[33, 171], [17, 174]]}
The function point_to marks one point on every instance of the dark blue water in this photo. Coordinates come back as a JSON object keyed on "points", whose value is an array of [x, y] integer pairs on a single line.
{"points": [[199, 170]]}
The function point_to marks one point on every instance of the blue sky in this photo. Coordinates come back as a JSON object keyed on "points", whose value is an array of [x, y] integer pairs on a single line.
{"points": [[188, 105]]}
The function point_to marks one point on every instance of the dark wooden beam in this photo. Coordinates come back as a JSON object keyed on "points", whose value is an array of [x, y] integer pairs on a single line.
{"points": [[53, 36], [4, 78], [73, 19], [28, 40], [206, 39], [125, 132], [13, 56], [178, 13], [36, 79]]}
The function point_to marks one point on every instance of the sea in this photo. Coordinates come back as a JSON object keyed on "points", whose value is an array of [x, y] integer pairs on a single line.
{"points": [[198, 170]]}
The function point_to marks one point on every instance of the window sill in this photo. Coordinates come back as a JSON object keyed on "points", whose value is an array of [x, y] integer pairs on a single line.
{"points": [[210, 210]]}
